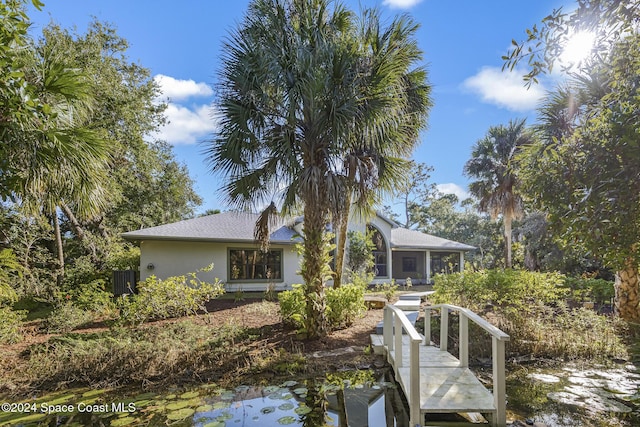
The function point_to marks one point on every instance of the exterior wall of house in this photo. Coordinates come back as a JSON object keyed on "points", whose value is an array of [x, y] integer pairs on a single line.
{"points": [[175, 258]]}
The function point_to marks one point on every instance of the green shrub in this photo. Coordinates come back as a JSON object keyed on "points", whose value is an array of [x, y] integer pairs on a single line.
{"points": [[176, 296], [11, 325], [9, 269], [293, 306], [66, 317], [92, 296], [513, 288], [566, 334], [387, 289], [344, 305], [586, 289]]}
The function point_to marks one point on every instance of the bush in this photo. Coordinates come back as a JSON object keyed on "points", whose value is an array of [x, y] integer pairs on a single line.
{"points": [[517, 289], [388, 289], [176, 296], [586, 289], [293, 306], [344, 305], [11, 325], [66, 317], [91, 296]]}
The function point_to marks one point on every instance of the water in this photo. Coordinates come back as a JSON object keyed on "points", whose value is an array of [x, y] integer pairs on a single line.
{"points": [[574, 396], [566, 397], [357, 398]]}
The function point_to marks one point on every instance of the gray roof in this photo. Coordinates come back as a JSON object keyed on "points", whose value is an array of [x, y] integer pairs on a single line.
{"points": [[403, 238], [223, 227], [239, 227]]}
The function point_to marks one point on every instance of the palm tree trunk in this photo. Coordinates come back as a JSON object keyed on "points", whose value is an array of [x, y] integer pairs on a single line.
{"points": [[312, 270], [78, 230], [59, 248], [627, 299], [343, 225], [507, 241]]}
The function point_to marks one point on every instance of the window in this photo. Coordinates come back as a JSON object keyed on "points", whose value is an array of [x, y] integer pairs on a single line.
{"points": [[409, 264], [379, 251], [255, 265], [445, 262]]}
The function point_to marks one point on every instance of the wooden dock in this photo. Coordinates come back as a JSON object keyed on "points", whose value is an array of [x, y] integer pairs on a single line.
{"points": [[445, 385]]}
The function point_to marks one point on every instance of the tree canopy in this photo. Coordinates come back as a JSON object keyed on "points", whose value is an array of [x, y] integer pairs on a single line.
{"points": [[303, 84]]}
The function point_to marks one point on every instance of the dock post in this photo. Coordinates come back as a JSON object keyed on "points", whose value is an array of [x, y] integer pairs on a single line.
{"points": [[464, 340], [444, 328], [397, 336], [499, 383], [387, 329], [427, 326], [414, 385]]}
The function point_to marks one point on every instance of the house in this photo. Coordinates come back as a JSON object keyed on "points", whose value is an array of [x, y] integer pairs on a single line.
{"points": [[227, 241]]}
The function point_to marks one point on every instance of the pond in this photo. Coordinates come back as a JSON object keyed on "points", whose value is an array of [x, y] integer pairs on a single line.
{"points": [[358, 398], [566, 397]]}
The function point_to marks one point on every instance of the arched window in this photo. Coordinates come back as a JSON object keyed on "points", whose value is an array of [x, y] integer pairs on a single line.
{"points": [[380, 259]]}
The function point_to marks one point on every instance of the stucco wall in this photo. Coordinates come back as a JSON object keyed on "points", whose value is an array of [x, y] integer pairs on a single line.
{"points": [[174, 258]]}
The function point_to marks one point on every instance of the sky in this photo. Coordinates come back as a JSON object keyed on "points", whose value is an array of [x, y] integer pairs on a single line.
{"points": [[463, 41]]}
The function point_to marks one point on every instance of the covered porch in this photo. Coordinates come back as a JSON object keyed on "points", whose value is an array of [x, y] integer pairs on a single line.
{"points": [[421, 265]]}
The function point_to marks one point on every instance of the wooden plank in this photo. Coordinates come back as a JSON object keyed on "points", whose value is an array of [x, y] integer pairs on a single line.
{"points": [[449, 390]]}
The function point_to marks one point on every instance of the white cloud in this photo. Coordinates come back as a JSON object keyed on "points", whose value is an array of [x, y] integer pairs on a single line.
{"points": [[504, 89], [401, 4], [187, 126], [176, 89], [452, 188]]}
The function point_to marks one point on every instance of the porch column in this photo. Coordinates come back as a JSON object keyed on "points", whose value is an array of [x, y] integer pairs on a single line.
{"points": [[428, 265], [461, 262]]}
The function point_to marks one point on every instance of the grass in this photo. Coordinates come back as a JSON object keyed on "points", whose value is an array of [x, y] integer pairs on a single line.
{"points": [[148, 353]]}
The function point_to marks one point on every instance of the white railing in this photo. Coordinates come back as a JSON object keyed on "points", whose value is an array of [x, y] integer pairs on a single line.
{"points": [[394, 322], [498, 339]]}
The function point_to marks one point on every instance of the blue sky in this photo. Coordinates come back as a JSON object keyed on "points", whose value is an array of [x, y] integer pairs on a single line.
{"points": [[462, 43]]}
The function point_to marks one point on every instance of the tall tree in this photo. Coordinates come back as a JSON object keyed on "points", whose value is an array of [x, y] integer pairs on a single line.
{"points": [[593, 163], [146, 186], [302, 84], [496, 186]]}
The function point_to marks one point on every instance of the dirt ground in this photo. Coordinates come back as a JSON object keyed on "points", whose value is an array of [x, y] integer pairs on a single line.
{"points": [[351, 342], [245, 314]]}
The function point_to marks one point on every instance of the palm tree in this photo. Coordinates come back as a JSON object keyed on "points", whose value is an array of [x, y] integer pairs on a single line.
{"points": [[301, 87], [496, 185], [64, 162]]}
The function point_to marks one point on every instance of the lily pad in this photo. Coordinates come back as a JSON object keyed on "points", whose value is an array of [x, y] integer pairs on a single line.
{"points": [[220, 405], [215, 424], [302, 410], [268, 410], [180, 404], [189, 395], [286, 406], [92, 393], [204, 408], [180, 414], [124, 421], [288, 384], [301, 390], [286, 420]]}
